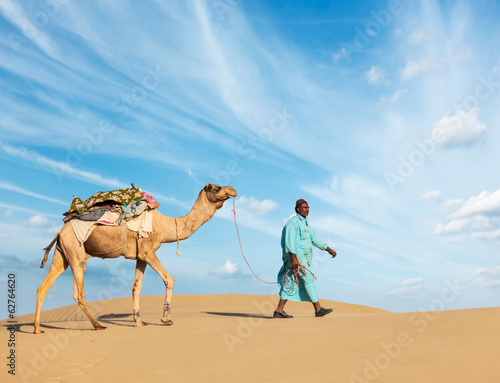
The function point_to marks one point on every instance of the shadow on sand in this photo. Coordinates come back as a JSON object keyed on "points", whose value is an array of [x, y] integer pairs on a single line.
{"points": [[123, 320], [119, 320], [27, 327], [243, 315]]}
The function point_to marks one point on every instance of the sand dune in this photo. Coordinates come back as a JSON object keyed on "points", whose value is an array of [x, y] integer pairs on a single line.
{"points": [[232, 338]]}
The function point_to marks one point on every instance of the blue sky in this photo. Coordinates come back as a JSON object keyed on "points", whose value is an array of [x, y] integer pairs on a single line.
{"points": [[381, 114]]}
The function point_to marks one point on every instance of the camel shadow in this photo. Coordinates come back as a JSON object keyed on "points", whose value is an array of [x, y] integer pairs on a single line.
{"points": [[242, 315], [119, 320], [106, 320], [20, 327]]}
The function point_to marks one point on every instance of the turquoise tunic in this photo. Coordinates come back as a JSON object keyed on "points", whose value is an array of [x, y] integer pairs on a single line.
{"points": [[298, 237]]}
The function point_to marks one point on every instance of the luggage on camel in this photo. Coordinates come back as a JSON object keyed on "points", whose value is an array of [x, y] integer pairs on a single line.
{"points": [[129, 202]]}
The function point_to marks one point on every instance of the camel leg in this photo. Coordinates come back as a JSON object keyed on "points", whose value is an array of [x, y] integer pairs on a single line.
{"points": [[136, 290], [78, 272], [58, 265], [156, 265]]}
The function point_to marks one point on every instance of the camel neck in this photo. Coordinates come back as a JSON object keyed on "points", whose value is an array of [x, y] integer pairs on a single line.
{"points": [[200, 213]]}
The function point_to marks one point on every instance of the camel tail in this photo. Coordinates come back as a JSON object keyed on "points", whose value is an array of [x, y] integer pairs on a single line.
{"points": [[47, 250]]}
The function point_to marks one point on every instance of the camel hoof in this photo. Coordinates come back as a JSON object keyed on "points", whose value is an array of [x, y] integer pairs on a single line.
{"points": [[38, 331], [140, 324], [100, 328], [167, 322]]}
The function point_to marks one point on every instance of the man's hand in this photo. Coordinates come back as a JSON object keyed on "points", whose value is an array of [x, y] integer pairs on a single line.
{"points": [[333, 253], [295, 261]]}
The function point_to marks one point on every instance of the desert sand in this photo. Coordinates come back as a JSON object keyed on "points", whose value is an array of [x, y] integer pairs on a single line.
{"points": [[233, 338]]}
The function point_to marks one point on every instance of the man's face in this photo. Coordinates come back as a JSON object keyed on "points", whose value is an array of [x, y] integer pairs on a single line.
{"points": [[303, 209]]}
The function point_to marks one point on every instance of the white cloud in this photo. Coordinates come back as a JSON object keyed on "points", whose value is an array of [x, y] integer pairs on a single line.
{"points": [[37, 221], [53, 230], [230, 269], [375, 75], [476, 223], [408, 287], [486, 203], [258, 207], [461, 129], [414, 68], [453, 226], [432, 194], [392, 99], [491, 235], [418, 37], [487, 277], [8, 213], [456, 239], [160, 197], [479, 215], [248, 218], [451, 205], [342, 52], [413, 282], [285, 220]]}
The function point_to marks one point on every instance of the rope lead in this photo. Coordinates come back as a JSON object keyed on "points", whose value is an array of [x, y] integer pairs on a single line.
{"points": [[177, 235], [300, 271]]}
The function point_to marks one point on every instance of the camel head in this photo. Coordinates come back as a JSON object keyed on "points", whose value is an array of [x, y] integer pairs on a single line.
{"points": [[218, 194]]}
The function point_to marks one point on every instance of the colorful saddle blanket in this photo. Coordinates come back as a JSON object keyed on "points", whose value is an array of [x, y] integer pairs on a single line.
{"points": [[133, 201]]}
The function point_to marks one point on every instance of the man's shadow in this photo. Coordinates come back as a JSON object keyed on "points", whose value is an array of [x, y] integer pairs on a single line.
{"points": [[243, 315]]}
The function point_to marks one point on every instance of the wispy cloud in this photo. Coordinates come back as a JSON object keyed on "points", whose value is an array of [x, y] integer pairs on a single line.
{"points": [[391, 99], [342, 52], [26, 23], [431, 194], [356, 196], [375, 75], [419, 37], [60, 169], [10, 187], [11, 207], [217, 97], [365, 216], [487, 277], [415, 68], [408, 287], [490, 235]]}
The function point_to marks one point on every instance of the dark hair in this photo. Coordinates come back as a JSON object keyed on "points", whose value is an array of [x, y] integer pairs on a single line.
{"points": [[298, 203]]}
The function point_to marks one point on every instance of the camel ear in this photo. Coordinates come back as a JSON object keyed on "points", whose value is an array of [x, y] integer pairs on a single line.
{"points": [[208, 187]]}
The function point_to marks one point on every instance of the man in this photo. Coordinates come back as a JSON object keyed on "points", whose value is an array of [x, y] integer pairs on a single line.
{"points": [[297, 240]]}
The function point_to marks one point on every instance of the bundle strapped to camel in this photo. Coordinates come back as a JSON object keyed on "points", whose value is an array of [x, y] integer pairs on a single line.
{"points": [[129, 208], [129, 201]]}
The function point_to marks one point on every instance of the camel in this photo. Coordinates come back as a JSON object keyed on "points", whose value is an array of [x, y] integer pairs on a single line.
{"points": [[107, 242]]}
